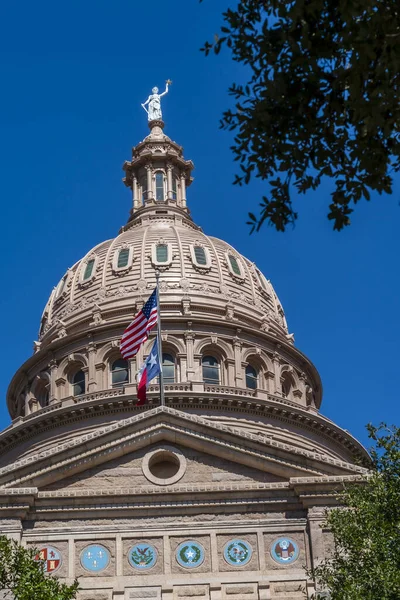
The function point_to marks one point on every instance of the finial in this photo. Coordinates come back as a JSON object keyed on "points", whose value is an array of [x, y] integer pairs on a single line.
{"points": [[154, 101]]}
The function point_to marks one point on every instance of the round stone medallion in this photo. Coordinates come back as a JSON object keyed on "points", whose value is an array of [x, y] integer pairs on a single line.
{"points": [[190, 554], [284, 551], [237, 552], [51, 558], [142, 556], [95, 558]]}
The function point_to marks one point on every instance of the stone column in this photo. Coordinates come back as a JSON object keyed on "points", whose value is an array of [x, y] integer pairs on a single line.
{"points": [[169, 181], [92, 383], [277, 369], [135, 196], [183, 190], [237, 345], [315, 518], [53, 376], [190, 370], [150, 194]]}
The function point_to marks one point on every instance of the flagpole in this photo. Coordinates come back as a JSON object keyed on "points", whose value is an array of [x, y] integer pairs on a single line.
{"points": [[162, 397]]}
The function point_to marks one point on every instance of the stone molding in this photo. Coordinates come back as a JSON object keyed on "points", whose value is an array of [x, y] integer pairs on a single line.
{"points": [[169, 424]]}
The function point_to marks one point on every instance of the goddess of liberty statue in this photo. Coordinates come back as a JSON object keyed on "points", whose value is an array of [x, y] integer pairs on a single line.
{"points": [[154, 112]]}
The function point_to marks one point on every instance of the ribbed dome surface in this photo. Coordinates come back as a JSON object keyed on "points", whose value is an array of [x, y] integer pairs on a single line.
{"points": [[214, 288]]}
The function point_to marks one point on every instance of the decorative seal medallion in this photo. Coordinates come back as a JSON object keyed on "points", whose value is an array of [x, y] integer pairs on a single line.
{"points": [[142, 556], [95, 558], [237, 552], [284, 551], [51, 558], [190, 554]]}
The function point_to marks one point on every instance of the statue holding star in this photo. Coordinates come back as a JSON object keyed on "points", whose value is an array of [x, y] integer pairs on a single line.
{"points": [[154, 112]]}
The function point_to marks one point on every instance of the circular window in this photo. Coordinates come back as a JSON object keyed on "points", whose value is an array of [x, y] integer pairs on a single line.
{"points": [[164, 466]]}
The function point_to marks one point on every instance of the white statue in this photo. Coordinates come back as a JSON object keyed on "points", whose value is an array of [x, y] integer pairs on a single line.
{"points": [[154, 113]]}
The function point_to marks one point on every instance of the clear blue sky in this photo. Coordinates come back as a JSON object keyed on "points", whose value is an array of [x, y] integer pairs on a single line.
{"points": [[72, 79]]}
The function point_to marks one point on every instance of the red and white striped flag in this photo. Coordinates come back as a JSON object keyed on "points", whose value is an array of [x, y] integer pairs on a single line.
{"points": [[138, 331]]}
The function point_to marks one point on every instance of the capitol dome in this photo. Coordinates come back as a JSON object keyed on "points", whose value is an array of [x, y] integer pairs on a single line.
{"points": [[238, 456]]}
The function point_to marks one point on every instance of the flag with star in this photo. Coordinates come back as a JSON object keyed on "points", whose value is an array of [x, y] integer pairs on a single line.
{"points": [[150, 369]]}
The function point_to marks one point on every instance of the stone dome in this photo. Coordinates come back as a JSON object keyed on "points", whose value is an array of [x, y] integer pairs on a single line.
{"points": [[225, 341], [237, 456], [223, 285]]}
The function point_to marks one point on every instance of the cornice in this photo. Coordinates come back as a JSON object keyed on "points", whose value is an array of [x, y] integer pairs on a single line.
{"points": [[164, 423], [108, 402]]}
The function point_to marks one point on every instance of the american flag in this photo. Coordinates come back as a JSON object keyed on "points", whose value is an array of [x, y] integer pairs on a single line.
{"points": [[138, 331]]}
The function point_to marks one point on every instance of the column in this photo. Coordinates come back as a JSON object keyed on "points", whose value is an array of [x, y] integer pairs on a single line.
{"points": [[135, 196], [92, 383], [53, 376], [276, 363], [189, 337], [237, 345], [183, 190], [169, 182], [150, 194]]}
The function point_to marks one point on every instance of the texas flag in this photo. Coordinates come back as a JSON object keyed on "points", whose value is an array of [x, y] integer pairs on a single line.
{"points": [[149, 370]]}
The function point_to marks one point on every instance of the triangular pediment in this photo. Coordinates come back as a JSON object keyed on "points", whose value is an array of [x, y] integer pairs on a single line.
{"points": [[105, 452]]}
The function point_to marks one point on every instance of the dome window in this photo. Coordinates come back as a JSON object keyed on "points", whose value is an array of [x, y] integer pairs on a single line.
{"points": [[168, 368], [235, 268], [61, 287], [119, 373], [161, 255], [251, 377], [89, 268], [160, 193], [174, 187], [210, 367], [200, 258], [200, 255], [78, 383], [234, 265], [123, 258]]}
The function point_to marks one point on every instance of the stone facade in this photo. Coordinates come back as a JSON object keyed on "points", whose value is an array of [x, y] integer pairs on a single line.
{"points": [[218, 495]]}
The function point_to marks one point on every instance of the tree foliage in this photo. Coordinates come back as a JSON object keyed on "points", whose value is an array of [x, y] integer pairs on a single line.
{"points": [[365, 564], [23, 578], [322, 100]]}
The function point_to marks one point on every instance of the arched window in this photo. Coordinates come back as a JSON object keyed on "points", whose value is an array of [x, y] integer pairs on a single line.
{"points": [[174, 188], [210, 369], [162, 253], [200, 255], [251, 377], [78, 383], [159, 185], [235, 265], [88, 269], [287, 385], [168, 368], [143, 186], [61, 286], [119, 372], [123, 258]]}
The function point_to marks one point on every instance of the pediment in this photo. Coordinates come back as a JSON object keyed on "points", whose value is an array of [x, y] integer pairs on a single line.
{"points": [[104, 454]]}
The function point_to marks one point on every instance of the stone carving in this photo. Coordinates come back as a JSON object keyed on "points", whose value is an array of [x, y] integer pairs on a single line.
{"points": [[154, 112]]}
